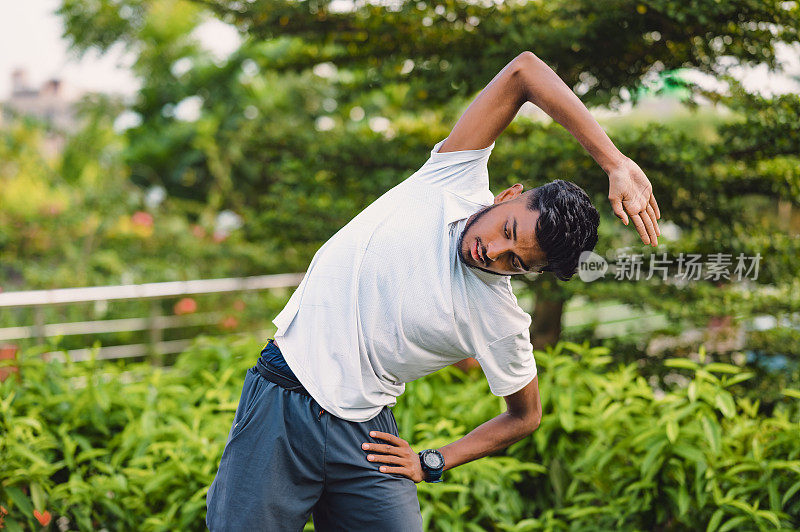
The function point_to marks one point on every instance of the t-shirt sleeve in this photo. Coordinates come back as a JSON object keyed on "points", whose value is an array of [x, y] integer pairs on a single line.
{"points": [[463, 173], [509, 364]]}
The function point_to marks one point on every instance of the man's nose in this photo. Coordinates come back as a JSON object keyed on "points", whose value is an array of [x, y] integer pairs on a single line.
{"points": [[495, 249]]}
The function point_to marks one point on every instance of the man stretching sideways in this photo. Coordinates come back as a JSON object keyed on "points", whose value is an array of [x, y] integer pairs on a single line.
{"points": [[418, 280]]}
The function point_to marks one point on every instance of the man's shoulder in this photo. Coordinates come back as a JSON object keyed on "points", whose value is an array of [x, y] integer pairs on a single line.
{"points": [[492, 297]]}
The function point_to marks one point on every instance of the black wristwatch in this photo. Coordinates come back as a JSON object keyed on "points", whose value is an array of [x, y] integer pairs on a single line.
{"points": [[432, 463]]}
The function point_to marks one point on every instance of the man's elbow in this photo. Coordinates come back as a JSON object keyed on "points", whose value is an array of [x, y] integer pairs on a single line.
{"points": [[526, 59], [524, 73], [533, 423], [529, 424]]}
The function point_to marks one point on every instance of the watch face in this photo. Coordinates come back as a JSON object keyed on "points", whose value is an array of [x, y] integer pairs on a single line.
{"points": [[433, 460]]}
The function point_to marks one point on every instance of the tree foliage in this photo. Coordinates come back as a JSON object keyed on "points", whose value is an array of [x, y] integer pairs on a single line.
{"points": [[608, 45], [322, 109]]}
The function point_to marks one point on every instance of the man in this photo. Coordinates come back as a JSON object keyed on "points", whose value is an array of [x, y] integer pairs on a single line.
{"points": [[415, 282]]}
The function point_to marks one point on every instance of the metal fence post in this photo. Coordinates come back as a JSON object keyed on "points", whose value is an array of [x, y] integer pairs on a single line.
{"points": [[154, 333], [38, 324]]}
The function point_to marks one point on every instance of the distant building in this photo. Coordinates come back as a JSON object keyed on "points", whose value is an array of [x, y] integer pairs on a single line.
{"points": [[51, 104]]}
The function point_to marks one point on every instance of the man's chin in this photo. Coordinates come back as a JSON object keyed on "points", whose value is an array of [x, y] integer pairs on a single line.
{"points": [[469, 262], [463, 259]]}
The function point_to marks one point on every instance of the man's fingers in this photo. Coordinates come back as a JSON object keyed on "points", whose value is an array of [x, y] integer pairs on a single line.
{"points": [[654, 205], [382, 448], [651, 230], [386, 459], [641, 228], [400, 470], [386, 436], [654, 219], [616, 205]]}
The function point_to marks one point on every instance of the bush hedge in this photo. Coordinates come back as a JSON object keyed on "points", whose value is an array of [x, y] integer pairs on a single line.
{"points": [[92, 445]]}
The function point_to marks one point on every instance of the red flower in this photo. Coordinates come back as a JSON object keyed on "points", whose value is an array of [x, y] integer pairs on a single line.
{"points": [[238, 305], [198, 231], [8, 352], [142, 218], [230, 323], [43, 518], [187, 305]]}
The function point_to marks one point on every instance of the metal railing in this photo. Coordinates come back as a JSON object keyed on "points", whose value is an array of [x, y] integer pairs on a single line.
{"points": [[607, 318], [155, 323]]}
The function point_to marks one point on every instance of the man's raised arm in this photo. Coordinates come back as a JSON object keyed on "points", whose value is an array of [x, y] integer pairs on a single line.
{"points": [[490, 112], [528, 78]]}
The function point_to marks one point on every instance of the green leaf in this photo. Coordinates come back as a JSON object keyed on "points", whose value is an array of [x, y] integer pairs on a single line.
{"points": [[788, 392], [769, 516], [736, 379], [715, 520], [722, 368], [649, 464], [672, 431], [689, 452], [740, 468], [38, 497], [90, 454], [567, 419], [724, 401], [756, 448], [575, 513], [731, 523], [774, 496], [791, 491], [712, 432], [6, 403], [683, 363], [683, 500], [20, 499], [741, 505], [532, 468], [13, 526], [702, 374]]}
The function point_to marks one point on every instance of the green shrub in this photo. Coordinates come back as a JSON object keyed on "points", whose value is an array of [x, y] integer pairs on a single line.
{"points": [[695, 457], [138, 449]]}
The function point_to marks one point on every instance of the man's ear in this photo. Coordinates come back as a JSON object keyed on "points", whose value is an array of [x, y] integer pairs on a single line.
{"points": [[508, 194]]}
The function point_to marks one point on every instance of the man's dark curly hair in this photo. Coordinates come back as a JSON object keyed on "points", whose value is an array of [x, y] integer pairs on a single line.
{"points": [[566, 227]]}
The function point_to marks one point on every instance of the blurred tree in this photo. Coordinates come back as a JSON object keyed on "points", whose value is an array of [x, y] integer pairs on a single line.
{"points": [[440, 50], [324, 107]]}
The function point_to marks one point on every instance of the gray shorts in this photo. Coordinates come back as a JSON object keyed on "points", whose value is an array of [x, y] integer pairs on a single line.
{"points": [[286, 458]]}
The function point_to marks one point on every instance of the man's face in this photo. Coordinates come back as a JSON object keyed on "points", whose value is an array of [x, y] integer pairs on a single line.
{"points": [[501, 238]]}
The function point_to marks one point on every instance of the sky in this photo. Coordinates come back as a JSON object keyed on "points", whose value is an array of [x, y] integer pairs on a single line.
{"points": [[30, 37]]}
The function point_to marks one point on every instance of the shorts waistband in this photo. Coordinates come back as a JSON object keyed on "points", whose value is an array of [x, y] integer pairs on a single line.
{"points": [[282, 377]]}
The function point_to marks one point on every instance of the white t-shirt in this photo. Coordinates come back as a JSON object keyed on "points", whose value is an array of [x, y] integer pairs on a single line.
{"points": [[386, 300]]}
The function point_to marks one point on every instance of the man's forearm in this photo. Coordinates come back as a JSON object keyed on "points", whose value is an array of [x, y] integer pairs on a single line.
{"points": [[543, 88], [494, 435]]}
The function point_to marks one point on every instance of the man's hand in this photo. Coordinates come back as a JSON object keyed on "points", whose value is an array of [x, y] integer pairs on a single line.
{"points": [[630, 193], [398, 453]]}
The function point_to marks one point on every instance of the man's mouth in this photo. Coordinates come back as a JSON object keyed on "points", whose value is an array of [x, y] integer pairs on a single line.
{"points": [[476, 253]]}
